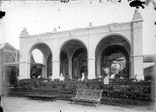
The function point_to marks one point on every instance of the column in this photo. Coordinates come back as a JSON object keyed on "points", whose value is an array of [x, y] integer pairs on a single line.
{"points": [[24, 70], [137, 64], [56, 68], [137, 58], [44, 71], [44, 67], [70, 67], [131, 70], [98, 66], [91, 68]]}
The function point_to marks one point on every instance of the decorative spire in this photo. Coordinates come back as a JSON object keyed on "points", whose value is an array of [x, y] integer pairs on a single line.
{"points": [[137, 16], [55, 30], [24, 33], [90, 25]]}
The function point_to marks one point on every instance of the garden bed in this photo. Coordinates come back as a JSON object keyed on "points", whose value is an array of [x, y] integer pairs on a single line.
{"points": [[116, 93]]}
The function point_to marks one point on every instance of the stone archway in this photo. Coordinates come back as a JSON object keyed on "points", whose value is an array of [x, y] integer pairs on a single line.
{"points": [[45, 68], [115, 55], [64, 65], [73, 59], [113, 49], [79, 62], [127, 35]]}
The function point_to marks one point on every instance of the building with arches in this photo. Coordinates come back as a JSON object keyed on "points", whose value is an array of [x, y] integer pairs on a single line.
{"points": [[86, 50]]}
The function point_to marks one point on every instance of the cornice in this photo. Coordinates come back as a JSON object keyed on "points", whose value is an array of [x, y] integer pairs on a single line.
{"points": [[110, 28]]}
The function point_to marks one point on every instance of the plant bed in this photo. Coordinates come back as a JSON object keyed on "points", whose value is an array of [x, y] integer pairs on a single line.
{"points": [[44, 94], [45, 91], [42, 97], [19, 94], [116, 93], [122, 102], [65, 97]]}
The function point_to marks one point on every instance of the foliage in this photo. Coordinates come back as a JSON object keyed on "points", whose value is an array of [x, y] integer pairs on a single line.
{"points": [[128, 93], [27, 83], [123, 90]]}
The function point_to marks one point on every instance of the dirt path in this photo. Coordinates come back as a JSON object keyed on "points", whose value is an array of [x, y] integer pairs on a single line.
{"points": [[16, 104]]}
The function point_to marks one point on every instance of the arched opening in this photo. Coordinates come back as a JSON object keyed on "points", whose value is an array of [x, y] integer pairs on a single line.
{"points": [[73, 59], [116, 55], [79, 63], [40, 62], [113, 52], [37, 56], [36, 63], [64, 65]]}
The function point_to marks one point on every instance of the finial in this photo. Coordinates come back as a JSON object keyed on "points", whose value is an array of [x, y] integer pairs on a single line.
{"points": [[90, 25], [55, 30], [24, 33], [137, 16]]}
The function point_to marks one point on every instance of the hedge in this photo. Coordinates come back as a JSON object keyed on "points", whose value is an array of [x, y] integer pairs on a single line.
{"points": [[118, 91]]}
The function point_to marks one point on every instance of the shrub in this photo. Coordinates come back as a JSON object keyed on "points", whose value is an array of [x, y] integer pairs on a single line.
{"points": [[120, 89]]}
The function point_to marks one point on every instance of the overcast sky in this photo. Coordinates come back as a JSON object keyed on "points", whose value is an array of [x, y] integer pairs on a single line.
{"points": [[41, 17]]}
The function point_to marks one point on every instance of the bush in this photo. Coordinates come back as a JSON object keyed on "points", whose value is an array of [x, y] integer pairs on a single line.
{"points": [[126, 91], [27, 83]]}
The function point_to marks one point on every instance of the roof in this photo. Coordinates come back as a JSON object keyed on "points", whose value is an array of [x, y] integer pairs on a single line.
{"points": [[3, 45], [149, 58], [147, 65]]}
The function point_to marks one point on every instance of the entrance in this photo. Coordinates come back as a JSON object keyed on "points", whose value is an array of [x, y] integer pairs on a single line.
{"points": [[117, 60], [80, 64]]}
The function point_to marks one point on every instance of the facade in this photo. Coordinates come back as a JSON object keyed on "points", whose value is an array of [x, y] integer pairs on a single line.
{"points": [[87, 51], [9, 63]]}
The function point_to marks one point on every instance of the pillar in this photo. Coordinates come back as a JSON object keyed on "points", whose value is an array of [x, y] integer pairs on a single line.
{"points": [[137, 58], [91, 55], [70, 67], [44, 71], [98, 66], [56, 68], [24, 67], [91, 68], [44, 67], [24, 70]]}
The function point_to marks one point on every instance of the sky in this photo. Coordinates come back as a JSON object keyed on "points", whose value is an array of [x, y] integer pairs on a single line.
{"points": [[43, 16]]}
